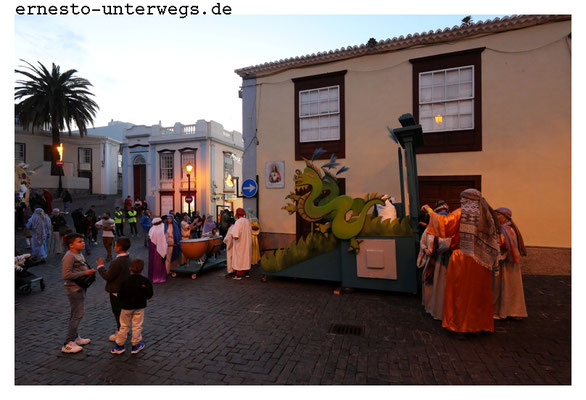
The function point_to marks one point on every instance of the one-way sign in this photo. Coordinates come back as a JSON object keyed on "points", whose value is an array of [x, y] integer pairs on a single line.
{"points": [[249, 188]]}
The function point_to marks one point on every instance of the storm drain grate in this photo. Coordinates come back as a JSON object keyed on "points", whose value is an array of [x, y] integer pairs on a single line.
{"points": [[342, 329]]}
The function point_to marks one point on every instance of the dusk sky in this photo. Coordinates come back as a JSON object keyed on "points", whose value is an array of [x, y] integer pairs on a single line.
{"points": [[146, 69]]}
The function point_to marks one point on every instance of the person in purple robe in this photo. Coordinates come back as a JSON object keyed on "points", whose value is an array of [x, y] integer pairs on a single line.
{"points": [[157, 252]]}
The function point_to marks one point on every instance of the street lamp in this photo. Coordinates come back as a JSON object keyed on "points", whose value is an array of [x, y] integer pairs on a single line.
{"points": [[60, 165], [189, 199]]}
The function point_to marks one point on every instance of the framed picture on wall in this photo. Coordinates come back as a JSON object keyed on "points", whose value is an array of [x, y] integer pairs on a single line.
{"points": [[275, 174]]}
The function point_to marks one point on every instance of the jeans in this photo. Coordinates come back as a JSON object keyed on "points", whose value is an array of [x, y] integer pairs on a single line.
{"points": [[126, 317], [76, 297], [120, 229], [115, 304], [107, 241]]}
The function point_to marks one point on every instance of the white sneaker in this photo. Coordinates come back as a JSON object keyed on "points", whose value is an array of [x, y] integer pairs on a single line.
{"points": [[81, 342], [71, 347], [112, 337]]}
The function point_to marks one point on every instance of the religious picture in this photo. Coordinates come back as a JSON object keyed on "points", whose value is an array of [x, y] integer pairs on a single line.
{"points": [[275, 171]]}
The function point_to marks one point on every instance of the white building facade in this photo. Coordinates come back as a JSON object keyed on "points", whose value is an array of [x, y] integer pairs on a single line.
{"points": [[90, 163], [154, 160]]}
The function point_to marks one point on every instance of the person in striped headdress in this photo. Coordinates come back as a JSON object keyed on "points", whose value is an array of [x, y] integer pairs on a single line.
{"points": [[474, 229]]}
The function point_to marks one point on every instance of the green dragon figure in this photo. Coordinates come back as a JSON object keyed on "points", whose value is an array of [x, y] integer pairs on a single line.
{"points": [[346, 215]]}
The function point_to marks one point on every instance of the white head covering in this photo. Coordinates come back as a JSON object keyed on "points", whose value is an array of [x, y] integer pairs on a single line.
{"points": [[157, 236]]}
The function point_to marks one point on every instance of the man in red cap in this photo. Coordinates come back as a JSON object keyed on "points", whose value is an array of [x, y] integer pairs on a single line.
{"points": [[242, 245]]}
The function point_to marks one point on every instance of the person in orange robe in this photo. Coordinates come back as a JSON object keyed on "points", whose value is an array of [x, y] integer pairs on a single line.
{"points": [[474, 231]]}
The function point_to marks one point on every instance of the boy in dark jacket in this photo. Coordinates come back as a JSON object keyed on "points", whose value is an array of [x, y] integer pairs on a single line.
{"points": [[118, 272], [133, 295]]}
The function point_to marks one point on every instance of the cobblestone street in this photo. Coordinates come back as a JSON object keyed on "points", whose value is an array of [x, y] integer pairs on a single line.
{"points": [[214, 330]]}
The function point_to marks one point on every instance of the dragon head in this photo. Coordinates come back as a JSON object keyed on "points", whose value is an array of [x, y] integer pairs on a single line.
{"points": [[311, 176]]}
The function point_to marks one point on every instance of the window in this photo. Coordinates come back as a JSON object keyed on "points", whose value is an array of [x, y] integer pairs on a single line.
{"points": [[187, 158], [85, 156], [166, 166], [229, 185], [119, 161], [20, 152], [319, 115], [447, 101]]}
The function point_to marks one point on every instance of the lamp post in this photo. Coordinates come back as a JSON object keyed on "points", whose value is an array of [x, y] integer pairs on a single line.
{"points": [[60, 165], [189, 199]]}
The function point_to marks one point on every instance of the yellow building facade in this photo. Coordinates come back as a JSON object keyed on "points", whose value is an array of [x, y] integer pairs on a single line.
{"points": [[509, 132]]}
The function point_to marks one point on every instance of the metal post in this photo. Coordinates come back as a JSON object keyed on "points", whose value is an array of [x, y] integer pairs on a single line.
{"points": [[401, 182], [189, 194], [60, 189], [257, 210]]}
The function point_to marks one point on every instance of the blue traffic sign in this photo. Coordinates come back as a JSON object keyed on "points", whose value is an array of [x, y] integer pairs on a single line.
{"points": [[249, 188]]}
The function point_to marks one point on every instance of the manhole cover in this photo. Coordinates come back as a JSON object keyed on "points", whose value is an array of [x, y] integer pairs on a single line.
{"points": [[342, 329]]}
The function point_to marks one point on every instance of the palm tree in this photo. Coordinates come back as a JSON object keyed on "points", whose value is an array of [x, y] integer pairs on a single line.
{"points": [[55, 100]]}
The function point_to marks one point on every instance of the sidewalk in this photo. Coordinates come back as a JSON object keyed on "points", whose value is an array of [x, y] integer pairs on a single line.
{"points": [[214, 330]]}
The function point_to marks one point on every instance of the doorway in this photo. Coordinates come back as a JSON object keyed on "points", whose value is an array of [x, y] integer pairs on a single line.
{"points": [[87, 174], [139, 177], [447, 188]]}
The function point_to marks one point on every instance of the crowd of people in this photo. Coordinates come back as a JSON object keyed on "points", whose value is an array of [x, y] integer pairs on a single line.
{"points": [[470, 261], [127, 289], [469, 258]]}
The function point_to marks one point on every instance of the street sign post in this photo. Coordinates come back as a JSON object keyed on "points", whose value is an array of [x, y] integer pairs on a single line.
{"points": [[249, 188]]}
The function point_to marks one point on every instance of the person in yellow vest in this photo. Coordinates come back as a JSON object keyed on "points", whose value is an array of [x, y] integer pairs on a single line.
{"points": [[131, 214], [119, 222]]}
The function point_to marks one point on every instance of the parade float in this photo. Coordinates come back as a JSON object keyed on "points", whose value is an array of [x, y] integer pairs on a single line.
{"points": [[348, 243]]}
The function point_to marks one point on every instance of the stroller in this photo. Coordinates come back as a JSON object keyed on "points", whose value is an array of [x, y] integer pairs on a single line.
{"points": [[25, 279]]}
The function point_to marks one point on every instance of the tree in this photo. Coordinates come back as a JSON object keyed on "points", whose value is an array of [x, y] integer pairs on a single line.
{"points": [[55, 100]]}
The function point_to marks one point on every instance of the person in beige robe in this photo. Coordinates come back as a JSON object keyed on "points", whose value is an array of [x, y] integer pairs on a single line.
{"points": [[507, 289], [242, 246]]}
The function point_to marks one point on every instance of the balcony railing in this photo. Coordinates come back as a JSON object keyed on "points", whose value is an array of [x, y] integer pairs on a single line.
{"points": [[178, 129], [167, 185]]}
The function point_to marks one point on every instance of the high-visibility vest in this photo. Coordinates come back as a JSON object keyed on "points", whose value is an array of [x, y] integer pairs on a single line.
{"points": [[118, 217], [131, 216]]}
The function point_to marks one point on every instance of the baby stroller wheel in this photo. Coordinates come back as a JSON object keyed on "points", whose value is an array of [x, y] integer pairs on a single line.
{"points": [[26, 289], [42, 284]]}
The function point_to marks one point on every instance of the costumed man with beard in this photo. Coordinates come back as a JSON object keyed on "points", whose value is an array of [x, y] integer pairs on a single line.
{"points": [[241, 234]]}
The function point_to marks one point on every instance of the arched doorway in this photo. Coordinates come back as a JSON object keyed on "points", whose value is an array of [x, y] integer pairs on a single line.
{"points": [[139, 177]]}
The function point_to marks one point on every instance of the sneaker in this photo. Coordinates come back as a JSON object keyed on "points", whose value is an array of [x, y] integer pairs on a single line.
{"points": [[229, 275], [112, 337], [137, 348], [247, 275], [118, 350], [237, 278], [71, 347], [81, 342]]}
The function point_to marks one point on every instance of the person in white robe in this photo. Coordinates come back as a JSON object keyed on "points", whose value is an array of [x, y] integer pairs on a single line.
{"points": [[229, 241], [242, 245]]}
